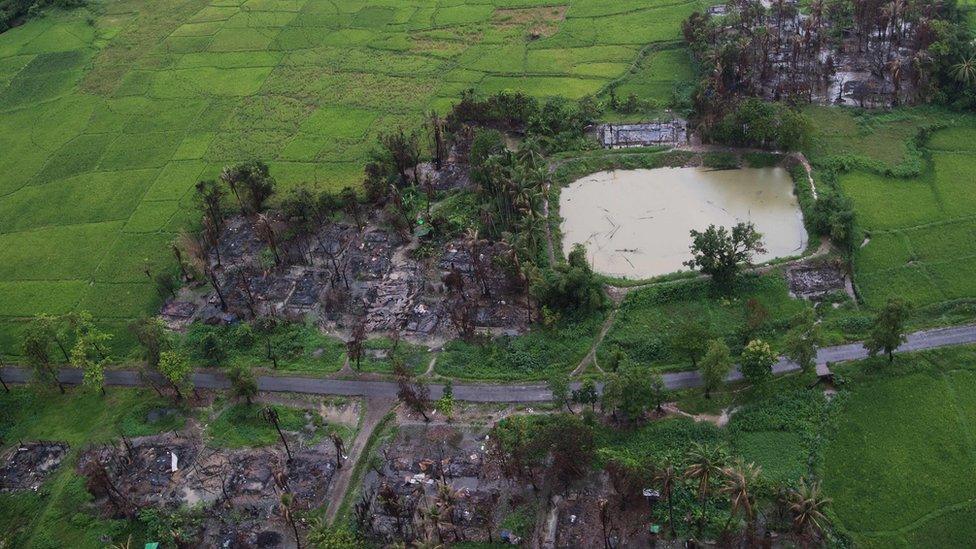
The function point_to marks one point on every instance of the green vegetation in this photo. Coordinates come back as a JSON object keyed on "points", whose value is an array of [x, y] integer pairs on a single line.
{"points": [[774, 443], [292, 348], [920, 230], [111, 113], [757, 123], [376, 356], [783, 430], [240, 425], [649, 319], [533, 355], [897, 467], [56, 515]]}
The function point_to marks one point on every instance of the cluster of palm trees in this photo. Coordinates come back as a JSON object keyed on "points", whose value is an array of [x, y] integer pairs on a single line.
{"points": [[513, 188], [783, 53], [711, 479]]}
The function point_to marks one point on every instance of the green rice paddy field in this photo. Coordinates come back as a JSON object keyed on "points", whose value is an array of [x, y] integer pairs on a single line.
{"points": [[922, 230], [899, 464], [109, 114]]}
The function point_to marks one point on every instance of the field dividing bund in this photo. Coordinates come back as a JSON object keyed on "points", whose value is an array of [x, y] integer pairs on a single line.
{"points": [[110, 114]]}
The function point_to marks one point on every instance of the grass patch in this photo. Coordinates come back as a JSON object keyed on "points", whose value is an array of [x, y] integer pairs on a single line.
{"points": [[376, 358], [533, 355], [646, 322], [299, 348], [241, 425]]}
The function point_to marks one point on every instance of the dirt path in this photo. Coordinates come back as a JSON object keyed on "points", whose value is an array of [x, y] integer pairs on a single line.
{"points": [[346, 367], [430, 367], [721, 420], [809, 169], [617, 296], [376, 409]]}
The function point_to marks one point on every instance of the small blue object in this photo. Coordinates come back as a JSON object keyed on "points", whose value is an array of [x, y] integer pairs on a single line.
{"points": [[152, 545]]}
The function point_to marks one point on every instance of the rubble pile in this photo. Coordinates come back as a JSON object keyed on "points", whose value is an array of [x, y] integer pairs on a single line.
{"points": [[804, 54], [815, 281], [240, 490], [27, 465], [342, 277], [441, 468]]}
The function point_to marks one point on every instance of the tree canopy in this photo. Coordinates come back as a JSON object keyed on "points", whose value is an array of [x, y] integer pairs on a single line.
{"points": [[718, 252]]}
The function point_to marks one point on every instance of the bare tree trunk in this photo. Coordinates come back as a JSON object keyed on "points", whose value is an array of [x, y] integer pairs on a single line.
{"points": [[216, 285]]}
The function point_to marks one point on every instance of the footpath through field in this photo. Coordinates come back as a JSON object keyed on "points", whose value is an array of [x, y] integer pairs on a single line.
{"points": [[473, 392]]}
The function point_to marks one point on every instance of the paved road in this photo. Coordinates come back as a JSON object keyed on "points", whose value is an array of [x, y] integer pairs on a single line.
{"points": [[529, 392]]}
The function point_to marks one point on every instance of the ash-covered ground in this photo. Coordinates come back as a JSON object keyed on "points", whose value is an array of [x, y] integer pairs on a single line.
{"points": [[343, 276]]}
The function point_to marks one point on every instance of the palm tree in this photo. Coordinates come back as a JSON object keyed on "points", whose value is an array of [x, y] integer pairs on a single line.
{"points": [[446, 500], [705, 462], [665, 476], [740, 479], [894, 70], [965, 71], [808, 504]]}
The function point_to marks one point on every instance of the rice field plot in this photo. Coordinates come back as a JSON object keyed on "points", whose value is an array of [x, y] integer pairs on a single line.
{"points": [[898, 466], [922, 230], [110, 114]]}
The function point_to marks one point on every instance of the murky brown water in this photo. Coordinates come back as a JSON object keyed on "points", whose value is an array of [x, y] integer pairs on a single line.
{"points": [[636, 223]]}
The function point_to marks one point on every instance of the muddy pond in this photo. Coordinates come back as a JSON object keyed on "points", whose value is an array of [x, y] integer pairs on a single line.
{"points": [[636, 223]]}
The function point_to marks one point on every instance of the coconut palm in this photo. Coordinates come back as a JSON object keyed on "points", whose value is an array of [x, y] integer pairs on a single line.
{"points": [[965, 71], [704, 463], [740, 481], [126, 545], [808, 505], [446, 500], [286, 506]]}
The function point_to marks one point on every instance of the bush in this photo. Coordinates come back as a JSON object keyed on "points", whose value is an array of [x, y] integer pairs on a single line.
{"points": [[833, 216], [506, 110], [572, 287]]}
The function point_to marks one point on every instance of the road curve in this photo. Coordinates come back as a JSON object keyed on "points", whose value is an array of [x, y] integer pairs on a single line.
{"points": [[528, 392]]}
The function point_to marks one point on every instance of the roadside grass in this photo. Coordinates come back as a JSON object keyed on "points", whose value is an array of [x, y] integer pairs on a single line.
{"points": [[384, 431], [299, 348], [110, 113], [534, 355], [58, 513], [241, 425], [376, 358], [898, 466]]}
